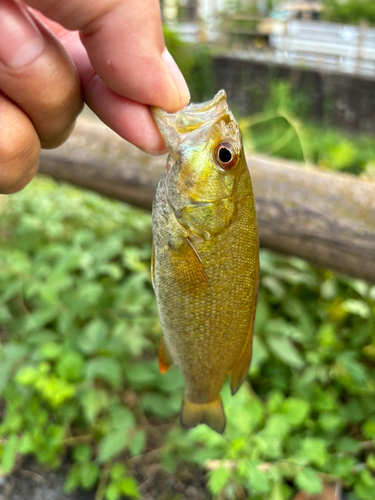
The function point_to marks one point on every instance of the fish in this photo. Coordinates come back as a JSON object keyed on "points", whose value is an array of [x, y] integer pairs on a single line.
{"points": [[205, 259]]}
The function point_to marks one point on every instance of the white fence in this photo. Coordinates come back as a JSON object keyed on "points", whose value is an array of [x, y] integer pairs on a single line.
{"points": [[328, 46]]}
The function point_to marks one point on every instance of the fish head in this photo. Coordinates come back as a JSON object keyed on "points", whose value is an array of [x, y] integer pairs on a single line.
{"points": [[206, 161]]}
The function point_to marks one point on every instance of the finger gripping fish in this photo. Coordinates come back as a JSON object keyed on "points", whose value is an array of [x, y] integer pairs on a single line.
{"points": [[205, 263]]}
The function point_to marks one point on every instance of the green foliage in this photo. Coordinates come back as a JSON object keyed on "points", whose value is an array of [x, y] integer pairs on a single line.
{"points": [[349, 11], [283, 129], [77, 310]]}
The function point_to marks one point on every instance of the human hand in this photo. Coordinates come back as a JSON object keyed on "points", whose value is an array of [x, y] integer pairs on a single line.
{"points": [[110, 52]]}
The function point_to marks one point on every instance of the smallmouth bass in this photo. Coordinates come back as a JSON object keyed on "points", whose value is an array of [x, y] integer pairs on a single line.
{"points": [[205, 263]]}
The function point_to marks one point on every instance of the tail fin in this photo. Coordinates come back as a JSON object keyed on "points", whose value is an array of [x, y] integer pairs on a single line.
{"points": [[211, 414]]}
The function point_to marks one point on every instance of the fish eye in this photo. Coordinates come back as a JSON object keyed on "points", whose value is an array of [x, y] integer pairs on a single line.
{"points": [[225, 156]]}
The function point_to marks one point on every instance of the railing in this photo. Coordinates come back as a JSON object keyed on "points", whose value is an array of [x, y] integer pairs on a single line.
{"points": [[320, 45], [326, 46]]}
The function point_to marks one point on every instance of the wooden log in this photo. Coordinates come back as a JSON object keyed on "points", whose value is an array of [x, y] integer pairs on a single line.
{"points": [[325, 218]]}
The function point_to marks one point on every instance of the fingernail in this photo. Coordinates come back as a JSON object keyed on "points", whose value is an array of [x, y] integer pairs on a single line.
{"points": [[177, 76], [21, 41]]}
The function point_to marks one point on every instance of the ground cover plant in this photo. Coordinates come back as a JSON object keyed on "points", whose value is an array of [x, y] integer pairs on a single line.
{"points": [[79, 376]]}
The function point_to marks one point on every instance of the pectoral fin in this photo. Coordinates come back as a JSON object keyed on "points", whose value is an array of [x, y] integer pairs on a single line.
{"points": [[189, 270], [165, 358]]}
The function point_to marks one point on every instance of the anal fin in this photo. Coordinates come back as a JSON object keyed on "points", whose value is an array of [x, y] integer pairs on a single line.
{"points": [[211, 414], [165, 358]]}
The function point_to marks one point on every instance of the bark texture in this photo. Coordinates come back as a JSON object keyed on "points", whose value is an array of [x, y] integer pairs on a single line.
{"points": [[325, 218]]}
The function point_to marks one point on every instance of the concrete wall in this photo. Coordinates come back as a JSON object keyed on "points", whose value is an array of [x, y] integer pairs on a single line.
{"points": [[340, 100]]}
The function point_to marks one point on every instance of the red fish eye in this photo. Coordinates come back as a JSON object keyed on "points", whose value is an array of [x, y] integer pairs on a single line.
{"points": [[225, 156]]}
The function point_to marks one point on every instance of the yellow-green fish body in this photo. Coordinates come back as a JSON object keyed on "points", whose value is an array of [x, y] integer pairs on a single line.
{"points": [[206, 258]]}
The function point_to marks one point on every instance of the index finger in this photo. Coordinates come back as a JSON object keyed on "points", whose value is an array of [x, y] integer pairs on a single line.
{"points": [[125, 44]]}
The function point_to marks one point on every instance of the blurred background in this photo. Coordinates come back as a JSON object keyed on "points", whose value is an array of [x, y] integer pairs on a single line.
{"points": [[79, 330]]}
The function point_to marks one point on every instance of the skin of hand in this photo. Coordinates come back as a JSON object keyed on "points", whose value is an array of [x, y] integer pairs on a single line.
{"points": [[54, 55]]}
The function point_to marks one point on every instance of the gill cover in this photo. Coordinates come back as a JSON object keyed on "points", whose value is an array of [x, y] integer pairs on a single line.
{"points": [[205, 147]]}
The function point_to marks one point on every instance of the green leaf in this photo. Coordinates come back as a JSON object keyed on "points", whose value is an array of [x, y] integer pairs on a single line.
{"points": [[9, 455], [296, 410], [157, 404], [258, 480], [112, 492], [343, 466], [121, 418], [275, 400], [27, 375], [26, 444], [112, 444], [51, 350], [308, 480], [93, 401], [314, 451], [357, 307], [117, 471], [277, 492], [73, 479], [89, 475], [82, 453], [330, 421], [365, 486], [128, 487], [107, 369], [137, 442], [70, 366], [217, 479], [371, 461], [328, 289], [277, 426], [141, 375], [285, 350], [369, 429], [93, 336], [259, 355]]}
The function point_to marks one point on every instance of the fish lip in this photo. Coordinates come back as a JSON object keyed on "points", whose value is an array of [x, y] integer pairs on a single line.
{"points": [[159, 113], [206, 106], [175, 127]]}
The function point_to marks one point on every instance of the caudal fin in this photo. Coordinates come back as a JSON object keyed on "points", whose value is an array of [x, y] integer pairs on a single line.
{"points": [[211, 414]]}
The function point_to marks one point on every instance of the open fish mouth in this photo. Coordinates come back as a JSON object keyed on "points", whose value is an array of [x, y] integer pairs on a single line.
{"points": [[174, 126]]}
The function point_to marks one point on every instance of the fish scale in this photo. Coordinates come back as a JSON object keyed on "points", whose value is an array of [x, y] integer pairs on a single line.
{"points": [[206, 257]]}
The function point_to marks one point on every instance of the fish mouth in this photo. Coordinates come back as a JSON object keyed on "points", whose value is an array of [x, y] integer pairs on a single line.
{"points": [[175, 126]]}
